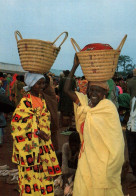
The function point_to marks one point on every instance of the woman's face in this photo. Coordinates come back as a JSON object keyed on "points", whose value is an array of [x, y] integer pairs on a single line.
{"points": [[95, 94], [38, 87]]}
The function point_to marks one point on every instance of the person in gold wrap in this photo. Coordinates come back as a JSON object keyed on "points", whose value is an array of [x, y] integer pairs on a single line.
{"points": [[102, 144], [33, 150]]}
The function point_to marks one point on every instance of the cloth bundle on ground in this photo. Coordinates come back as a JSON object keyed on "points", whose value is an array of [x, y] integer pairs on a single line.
{"points": [[102, 149]]}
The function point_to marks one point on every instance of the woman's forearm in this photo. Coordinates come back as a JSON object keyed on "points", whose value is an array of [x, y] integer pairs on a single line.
{"points": [[67, 86], [69, 80]]}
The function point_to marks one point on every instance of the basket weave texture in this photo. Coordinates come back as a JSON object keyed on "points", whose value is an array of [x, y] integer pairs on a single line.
{"points": [[98, 65], [37, 56]]}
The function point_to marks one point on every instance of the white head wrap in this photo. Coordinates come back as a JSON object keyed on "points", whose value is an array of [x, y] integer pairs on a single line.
{"points": [[30, 79]]}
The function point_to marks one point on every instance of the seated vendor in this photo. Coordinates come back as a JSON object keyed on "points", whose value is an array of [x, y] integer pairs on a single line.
{"points": [[70, 151]]}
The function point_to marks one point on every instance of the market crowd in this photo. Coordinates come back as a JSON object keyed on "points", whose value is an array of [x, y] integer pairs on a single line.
{"points": [[57, 94]]}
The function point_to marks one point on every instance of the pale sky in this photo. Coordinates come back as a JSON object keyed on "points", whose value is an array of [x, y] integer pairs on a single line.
{"points": [[87, 21]]}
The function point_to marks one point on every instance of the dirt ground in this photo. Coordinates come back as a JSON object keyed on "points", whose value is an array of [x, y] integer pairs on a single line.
{"points": [[5, 158]]}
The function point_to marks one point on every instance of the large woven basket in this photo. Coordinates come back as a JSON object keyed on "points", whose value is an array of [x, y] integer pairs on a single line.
{"points": [[98, 65], [36, 55]]}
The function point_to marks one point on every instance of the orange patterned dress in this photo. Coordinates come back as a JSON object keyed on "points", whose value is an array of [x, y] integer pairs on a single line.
{"points": [[36, 159]]}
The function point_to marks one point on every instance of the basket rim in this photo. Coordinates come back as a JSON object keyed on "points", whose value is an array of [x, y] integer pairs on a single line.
{"points": [[99, 51], [20, 42]]}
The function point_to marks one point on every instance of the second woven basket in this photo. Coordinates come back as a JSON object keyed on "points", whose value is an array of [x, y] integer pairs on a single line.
{"points": [[98, 65]]}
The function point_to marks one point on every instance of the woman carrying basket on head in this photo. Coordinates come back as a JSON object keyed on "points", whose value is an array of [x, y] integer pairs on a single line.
{"points": [[32, 147], [102, 145]]}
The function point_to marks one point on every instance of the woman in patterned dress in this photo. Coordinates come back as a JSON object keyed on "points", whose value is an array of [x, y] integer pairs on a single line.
{"points": [[32, 147]]}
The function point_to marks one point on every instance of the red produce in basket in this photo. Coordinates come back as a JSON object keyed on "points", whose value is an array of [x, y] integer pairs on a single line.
{"points": [[97, 46]]}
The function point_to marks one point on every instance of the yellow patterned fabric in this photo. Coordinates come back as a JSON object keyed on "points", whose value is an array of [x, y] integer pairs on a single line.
{"points": [[36, 159], [33, 182], [102, 149]]}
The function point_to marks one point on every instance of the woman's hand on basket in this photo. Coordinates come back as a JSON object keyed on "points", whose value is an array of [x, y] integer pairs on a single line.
{"points": [[43, 135]]}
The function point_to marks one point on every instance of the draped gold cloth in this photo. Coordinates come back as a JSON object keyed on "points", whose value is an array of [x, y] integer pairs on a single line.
{"points": [[102, 151]]}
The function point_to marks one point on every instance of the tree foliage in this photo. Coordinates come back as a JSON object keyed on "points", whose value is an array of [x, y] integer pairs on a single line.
{"points": [[125, 64]]}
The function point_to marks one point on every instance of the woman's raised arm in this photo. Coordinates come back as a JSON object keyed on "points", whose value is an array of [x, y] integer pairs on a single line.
{"points": [[67, 85]]}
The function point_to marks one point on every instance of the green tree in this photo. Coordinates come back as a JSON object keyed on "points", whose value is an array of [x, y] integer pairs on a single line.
{"points": [[130, 67], [123, 62]]}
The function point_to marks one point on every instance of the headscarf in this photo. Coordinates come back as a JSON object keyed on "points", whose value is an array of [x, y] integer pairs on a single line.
{"points": [[103, 84], [30, 80], [124, 100]]}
